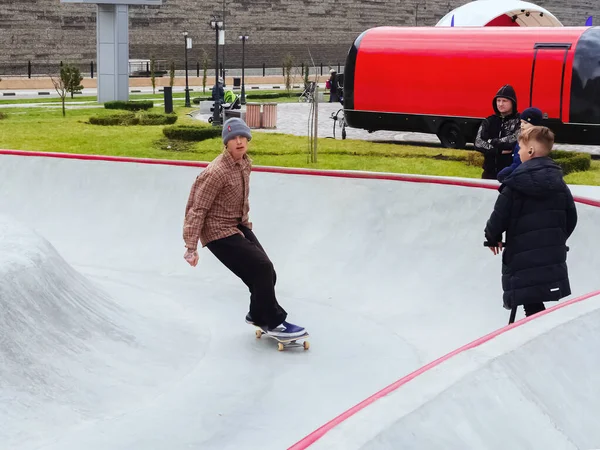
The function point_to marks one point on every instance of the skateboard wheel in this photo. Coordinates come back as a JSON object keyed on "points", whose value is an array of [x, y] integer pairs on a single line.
{"points": [[280, 346], [258, 334], [306, 345]]}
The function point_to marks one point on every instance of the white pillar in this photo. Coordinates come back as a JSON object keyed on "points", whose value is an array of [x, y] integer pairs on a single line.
{"points": [[113, 52]]}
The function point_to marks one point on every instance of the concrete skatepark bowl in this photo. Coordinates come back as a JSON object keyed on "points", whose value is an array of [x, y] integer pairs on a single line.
{"points": [[109, 340]]}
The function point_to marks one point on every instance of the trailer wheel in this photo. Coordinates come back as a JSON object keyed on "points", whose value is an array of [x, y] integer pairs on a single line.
{"points": [[451, 136]]}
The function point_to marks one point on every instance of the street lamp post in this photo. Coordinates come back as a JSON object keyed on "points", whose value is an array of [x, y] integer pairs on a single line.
{"points": [[216, 25], [187, 88], [223, 28], [243, 39]]}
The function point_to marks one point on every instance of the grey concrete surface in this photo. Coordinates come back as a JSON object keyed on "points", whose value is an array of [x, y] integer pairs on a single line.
{"points": [[109, 340], [531, 388]]}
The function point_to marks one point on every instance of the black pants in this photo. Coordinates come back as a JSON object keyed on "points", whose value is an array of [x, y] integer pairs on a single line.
{"points": [[533, 308], [488, 175], [530, 310], [246, 258]]}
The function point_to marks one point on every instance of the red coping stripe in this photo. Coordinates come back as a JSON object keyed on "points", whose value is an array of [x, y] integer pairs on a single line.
{"points": [[317, 434], [280, 170]]}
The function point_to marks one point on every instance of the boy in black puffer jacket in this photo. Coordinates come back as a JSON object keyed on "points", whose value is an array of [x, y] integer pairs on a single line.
{"points": [[536, 210]]}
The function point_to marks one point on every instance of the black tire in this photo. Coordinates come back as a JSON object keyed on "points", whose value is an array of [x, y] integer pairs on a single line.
{"points": [[451, 136]]}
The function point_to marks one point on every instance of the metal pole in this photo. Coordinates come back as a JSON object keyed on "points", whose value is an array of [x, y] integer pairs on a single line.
{"points": [[316, 129], [223, 27], [216, 112], [243, 69], [187, 89]]}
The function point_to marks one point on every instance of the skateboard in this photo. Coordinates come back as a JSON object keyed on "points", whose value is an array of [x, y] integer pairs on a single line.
{"points": [[286, 342]]}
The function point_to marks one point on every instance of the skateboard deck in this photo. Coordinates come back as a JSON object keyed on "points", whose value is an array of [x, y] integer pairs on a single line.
{"points": [[284, 343]]}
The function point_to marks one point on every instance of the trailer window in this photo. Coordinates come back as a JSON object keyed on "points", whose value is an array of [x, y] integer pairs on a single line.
{"points": [[585, 86]]}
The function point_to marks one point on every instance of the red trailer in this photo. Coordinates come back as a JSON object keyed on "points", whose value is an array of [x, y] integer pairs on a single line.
{"points": [[442, 80]]}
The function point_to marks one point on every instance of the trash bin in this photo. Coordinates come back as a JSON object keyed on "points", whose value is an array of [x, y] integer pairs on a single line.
{"points": [[269, 115], [237, 82], [253, 115], [168, 96]]}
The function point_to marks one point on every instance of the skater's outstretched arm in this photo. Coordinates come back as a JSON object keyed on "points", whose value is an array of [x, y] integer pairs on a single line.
{"points": [[202, 195]]}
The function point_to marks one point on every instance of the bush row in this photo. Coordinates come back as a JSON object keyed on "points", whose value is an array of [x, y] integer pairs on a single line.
{"points": [[253, 96], [129, 106], [191, 132], [132, 119], [572, 161]]}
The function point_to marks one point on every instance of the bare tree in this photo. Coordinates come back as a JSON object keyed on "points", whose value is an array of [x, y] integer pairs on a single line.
{"points": [[153, 73], [172, 74], [288, 64], [61, 85], [205, 62]]}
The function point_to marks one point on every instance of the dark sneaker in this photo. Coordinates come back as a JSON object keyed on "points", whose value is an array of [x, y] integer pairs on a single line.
{"points": [[287, 329]]}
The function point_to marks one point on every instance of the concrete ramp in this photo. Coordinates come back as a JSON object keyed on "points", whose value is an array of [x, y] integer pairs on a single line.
{"points": [[68, 352], [130, 348], [533, 387]]}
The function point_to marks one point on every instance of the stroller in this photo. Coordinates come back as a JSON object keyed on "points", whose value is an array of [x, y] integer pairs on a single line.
{"points": [[230, 101], [308, 93], [337, 120]]}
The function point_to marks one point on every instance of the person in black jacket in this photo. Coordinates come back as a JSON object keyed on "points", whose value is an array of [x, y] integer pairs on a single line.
{"points": [[497, 134], [536, 210]]}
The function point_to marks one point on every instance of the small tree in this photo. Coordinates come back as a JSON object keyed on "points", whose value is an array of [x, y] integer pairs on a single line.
{"points": [[152, 74], [205, 62], [306, 76], [172, 74], [61, 89], [288, 64], [71, 78]]}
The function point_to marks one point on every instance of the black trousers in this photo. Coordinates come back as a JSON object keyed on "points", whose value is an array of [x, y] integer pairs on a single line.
{"points": [[530, 310], [247, 259], [533, 308]]}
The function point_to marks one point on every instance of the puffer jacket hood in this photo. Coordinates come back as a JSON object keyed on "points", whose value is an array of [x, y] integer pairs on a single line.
{"points": [[506, 91], [538, 177]]}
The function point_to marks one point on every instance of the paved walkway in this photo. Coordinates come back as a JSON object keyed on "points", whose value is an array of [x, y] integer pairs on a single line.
{"points": [[293, 118]]}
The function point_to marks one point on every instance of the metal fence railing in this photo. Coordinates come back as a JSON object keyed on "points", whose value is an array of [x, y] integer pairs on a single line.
{"points": [[142, 68]]}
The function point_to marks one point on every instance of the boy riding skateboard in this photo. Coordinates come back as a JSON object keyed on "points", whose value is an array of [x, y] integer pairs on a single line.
{"points": [[217, 214]]}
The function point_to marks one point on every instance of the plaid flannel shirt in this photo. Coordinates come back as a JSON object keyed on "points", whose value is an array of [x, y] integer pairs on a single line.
{"points": [[218, 201]]}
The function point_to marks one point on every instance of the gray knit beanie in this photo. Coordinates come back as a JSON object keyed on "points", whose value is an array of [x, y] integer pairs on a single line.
{"points": [[235, 127]]}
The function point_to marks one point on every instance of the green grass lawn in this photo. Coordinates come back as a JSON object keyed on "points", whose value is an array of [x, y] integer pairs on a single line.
{"points": [[40, 129]]}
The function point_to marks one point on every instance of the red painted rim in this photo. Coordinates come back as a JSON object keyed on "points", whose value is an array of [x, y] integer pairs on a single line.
{"points": [[282, 170]]}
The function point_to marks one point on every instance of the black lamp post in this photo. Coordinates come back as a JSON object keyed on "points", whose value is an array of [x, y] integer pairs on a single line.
{"points": [[243, 39], [224, 75], [216, 25], [187, 88]]}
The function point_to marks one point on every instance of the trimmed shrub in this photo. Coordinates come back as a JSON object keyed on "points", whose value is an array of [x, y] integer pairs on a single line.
{"points": [[133, 119], [115, 119], [272, 95], [191, 133], [572, 161], [253, 96], [474, 159], [157, 119], [129, 106], [197, 100]]}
